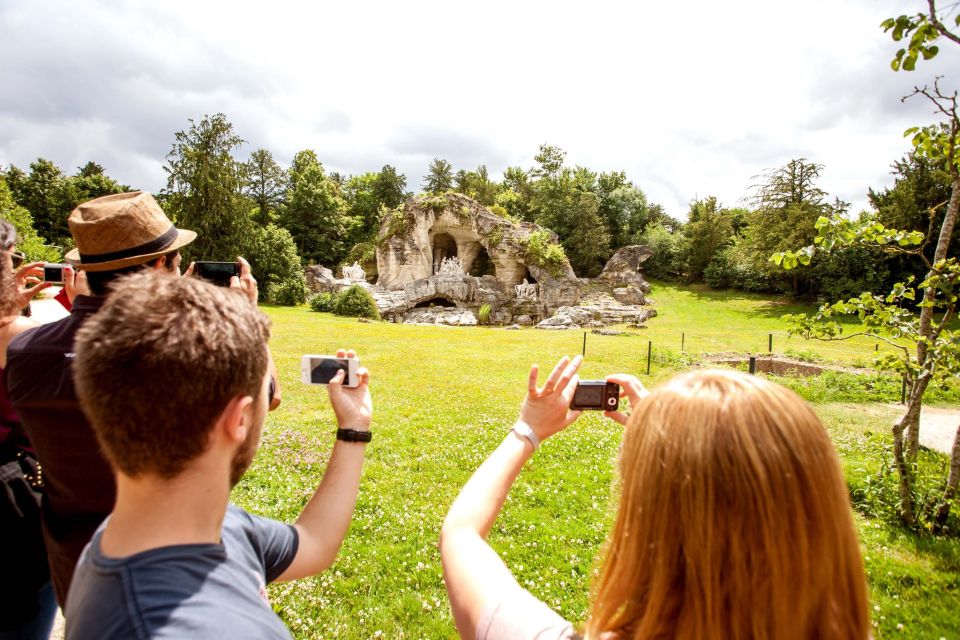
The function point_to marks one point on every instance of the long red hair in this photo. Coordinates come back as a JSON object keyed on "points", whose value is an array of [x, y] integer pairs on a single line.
{"points": [[734, 520]]}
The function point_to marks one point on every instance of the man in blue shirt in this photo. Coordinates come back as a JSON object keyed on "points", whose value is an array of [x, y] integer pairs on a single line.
{"points": [[173, 374]]}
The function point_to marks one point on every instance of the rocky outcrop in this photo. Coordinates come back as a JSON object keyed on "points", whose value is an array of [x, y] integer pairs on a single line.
{"points": [[596, 316], [423, 246], [442, 257], [624, 272]]}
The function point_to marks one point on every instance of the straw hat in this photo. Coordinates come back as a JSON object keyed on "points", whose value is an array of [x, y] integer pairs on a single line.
{"points": [[122, 230]]}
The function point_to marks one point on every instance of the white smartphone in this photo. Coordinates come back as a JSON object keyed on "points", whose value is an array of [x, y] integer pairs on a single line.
{"points": [[321, 369]]}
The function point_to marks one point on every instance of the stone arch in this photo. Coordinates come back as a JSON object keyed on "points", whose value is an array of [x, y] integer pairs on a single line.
{"points": [[483, 265], [527, 276], [443, 246], [437, 301]]}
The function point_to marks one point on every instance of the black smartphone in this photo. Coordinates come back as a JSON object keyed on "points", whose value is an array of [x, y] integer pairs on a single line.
{"points": [[219, 273]]}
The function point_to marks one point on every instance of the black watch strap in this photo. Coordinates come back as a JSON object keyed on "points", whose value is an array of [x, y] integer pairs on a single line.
{"points": [[354, 435]]}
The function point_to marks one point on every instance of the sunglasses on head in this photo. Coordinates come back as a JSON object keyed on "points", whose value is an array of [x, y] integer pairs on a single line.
{"points": [[17, 258]]}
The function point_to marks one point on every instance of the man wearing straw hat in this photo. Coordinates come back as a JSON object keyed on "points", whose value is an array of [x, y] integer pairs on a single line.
{"points": [[114, 235]]}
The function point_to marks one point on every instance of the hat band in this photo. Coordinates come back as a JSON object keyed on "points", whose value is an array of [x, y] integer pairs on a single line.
{"points": [[155, 245]]}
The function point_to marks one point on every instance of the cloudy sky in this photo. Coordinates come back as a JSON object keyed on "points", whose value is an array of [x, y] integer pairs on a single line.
{"points": [[690, 99]]}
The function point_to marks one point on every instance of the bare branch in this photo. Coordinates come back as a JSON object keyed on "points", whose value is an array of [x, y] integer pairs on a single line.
{"points": [[935, 21], [875, 336]]}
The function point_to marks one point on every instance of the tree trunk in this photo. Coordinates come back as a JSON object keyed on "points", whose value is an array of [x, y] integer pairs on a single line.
{"points": [[905, 453], [953, 482], [904, 463]]}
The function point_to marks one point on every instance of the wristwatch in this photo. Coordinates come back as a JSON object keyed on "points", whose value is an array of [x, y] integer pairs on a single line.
{"points": [[354, 435], [521, 428]]}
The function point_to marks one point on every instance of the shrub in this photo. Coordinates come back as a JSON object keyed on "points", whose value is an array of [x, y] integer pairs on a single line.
{"points": [[276, 265], [483, 314], [289, 293], [323, 301], [541, 252], [356, 302], [436, 203], [667, 250], [398, 223]]}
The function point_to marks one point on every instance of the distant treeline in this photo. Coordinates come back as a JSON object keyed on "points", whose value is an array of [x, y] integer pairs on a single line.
{"points": [[285, 218]]}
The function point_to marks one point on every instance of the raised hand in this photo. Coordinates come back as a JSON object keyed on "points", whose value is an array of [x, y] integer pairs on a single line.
{"points": [[547, 409], [630, 388], [352, 405]]}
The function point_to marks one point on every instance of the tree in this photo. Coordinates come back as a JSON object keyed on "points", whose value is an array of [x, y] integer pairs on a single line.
{"points": [[273, 258], [477, 185], [314, 211], [709, 229], [588, 245], [28, 241], [44, 194], [516, 194], [390, 187], [935, 346], [439, 178], [666, 245], [367, 196], [205, 189], [787, 204], [266, 181]]}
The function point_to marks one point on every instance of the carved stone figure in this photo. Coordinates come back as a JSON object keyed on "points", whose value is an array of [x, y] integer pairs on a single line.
{"points": [[451, 267], [354, 273], [526, 291]]}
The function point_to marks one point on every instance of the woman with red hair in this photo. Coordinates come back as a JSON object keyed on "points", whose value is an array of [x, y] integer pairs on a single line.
{"points": [[733, 520]]}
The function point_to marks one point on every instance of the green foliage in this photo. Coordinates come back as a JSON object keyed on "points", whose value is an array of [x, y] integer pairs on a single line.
{"points": [[322, 301], [204, 190], [804, 355], [28, 241], [588, 244], [542, 252], [496, 236], [439, 178], [847, 272], [733, 268], [289, 293], [667, 248], [436, 202], [364, 253], [314, 211], [476, 185], [483, 313], [398, 223], [923, 30], [266, 185], [356, 302], [369, 196], [275, 264], [708, 230]]}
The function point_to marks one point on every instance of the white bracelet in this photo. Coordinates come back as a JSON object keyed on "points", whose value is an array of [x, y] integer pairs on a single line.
{"points": [[521, 428]]}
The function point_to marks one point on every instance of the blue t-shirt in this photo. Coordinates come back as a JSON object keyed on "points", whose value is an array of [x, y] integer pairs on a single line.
{"points": [[184, 591]]}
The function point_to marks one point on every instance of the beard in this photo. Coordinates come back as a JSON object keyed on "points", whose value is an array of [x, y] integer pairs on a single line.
{"points": [[244, 455]]}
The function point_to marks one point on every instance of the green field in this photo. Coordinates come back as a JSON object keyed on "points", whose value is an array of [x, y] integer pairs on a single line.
{"points": [[444, 397]]}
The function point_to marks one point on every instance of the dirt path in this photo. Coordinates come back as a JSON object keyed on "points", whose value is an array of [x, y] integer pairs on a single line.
{"points": [[938, 427]]}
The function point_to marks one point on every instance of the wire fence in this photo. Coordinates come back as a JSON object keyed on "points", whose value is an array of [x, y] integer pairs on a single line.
{"points": [[778, 353]]}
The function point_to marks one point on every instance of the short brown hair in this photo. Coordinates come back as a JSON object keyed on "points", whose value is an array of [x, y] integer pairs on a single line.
{"points": [[734, 520], [160, 361]]}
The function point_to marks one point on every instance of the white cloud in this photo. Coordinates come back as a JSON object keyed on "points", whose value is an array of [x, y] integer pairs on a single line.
{"points": [[690, 99]]}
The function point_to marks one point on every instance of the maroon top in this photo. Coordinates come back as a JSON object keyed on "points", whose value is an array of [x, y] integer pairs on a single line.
{"points": [[9, 423], [79, 488]]}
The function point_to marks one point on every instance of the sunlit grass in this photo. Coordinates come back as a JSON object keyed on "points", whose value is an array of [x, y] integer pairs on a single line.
{"points": [[444, 397]]}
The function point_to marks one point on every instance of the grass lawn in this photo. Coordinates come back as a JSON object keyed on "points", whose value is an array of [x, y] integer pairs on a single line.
{"points": [[444, 397]]}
